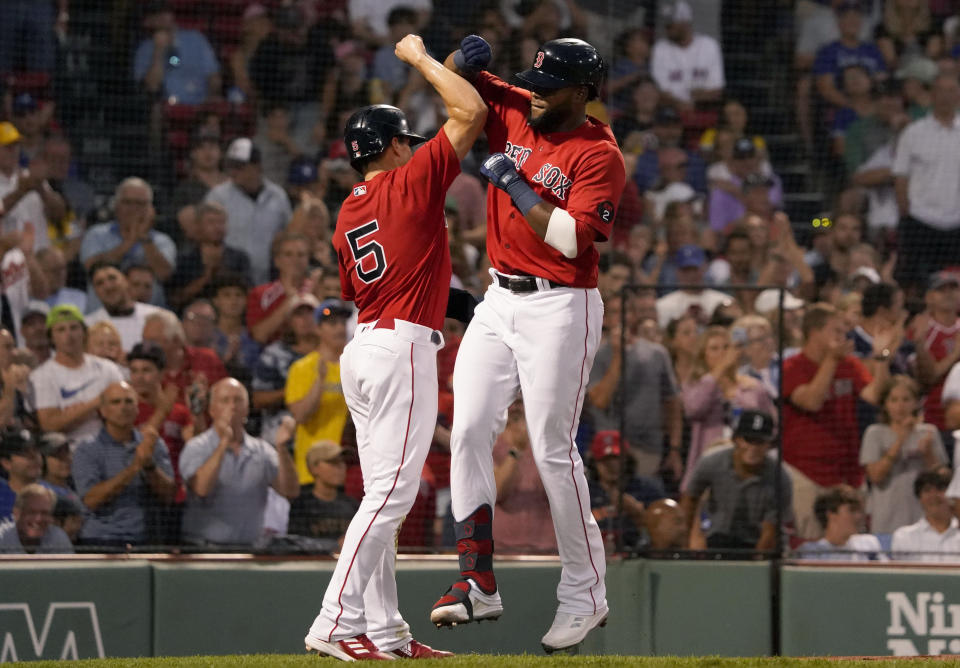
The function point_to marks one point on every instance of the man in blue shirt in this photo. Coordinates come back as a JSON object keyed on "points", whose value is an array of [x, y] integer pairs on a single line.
{"points": [[120, 472], [179, 64], [846, 52]]}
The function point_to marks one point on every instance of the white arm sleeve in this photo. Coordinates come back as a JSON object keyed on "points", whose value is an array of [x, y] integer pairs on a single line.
{"points": [[562, 233]]}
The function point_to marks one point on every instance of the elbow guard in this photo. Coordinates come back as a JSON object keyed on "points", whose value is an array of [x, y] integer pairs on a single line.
{"points": [[562, 233]]}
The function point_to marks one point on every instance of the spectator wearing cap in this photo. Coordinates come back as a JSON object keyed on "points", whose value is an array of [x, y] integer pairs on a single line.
{"points": [[298, 338], [231, 339], [301, 179], [668, 133], [715, 391], [729, 185], [917, 77], [618, 499], [191, 369], [323, 510], [21, 464], [895, 450], [742, 508], [821, 385], [257, 209], [204, 173], [54, 266], [691, 262], [26, 198], [268, 304], [229, 472], [16, 409], [687, 66], [848, 50], [927, 169], [130, 238], [294, 66], [935, 537], [652, 411], [58, 466], [68, 515], [199, 263], [672, 186], [32, 121], [522, 508], [32, 530], [33, 330], [313, 394], [177, 65], [121, 473], [936, 337], [67, 387], [118, 307], [839, 511]]}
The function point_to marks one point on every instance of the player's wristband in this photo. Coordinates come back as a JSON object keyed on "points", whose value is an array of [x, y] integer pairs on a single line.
{"points": [[523, 196]]}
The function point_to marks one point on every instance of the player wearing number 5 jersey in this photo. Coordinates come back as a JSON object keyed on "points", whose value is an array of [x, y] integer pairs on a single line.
{"points": [[556, 176], [391, 244]]}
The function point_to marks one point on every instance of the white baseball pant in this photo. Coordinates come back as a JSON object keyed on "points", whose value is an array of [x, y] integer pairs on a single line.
{"points": [[389, 377], [543, 344]]}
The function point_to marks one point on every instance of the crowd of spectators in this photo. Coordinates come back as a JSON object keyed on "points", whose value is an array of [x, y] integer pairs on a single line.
{"points": [[170, 361]]}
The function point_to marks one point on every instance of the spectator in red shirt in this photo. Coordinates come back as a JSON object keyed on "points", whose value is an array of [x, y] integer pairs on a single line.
{"points": [[269, 305], [822, 382], [936, 334], [192, 370]]}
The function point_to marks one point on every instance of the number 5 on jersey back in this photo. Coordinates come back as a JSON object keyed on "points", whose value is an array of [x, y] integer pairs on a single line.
{"points": [[359, 252]]}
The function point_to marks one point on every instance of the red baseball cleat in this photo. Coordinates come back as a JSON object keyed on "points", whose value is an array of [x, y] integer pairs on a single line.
{"points": [[417, 650], [358, 648]]}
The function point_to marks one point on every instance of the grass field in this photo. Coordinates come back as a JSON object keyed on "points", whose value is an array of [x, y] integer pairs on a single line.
{"points": [[500, 661]]}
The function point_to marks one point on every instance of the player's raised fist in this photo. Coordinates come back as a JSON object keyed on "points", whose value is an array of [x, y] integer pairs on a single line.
{"points": [[410, 48], [474, 54], [500, 171]]}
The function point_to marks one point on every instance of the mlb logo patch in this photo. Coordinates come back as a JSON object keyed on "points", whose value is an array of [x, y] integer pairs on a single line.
{"points": [[539, 60], [359, 190], [354, 145]]}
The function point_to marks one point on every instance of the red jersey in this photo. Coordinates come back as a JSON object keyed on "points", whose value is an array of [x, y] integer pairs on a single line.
{"points": [[391, 239], [939, 342], [198, 364], [171, 431], [824, 446], [264, 299], [580, 171]]}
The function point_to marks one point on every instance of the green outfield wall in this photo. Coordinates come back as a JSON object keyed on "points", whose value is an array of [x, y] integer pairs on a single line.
{"points": [[65, 609]]}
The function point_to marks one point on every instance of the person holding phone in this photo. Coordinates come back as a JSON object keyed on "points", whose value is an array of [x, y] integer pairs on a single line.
{"points": [[895, 450]]}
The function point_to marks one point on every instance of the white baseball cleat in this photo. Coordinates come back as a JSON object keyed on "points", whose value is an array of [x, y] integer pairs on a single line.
{"points": [[568, 631], [464, 602], [358, 648]]}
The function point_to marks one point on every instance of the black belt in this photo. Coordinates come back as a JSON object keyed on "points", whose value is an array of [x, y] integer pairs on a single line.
{"points": [[522, 283]]}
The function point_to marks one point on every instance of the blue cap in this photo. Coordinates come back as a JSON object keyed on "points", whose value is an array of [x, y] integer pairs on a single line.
{"points": [[24, 103], [332, 308], [302, 171], [690, 255]]}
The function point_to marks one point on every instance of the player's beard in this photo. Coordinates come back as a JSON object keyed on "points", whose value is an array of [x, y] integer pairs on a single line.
{"points": [[548, 121]]}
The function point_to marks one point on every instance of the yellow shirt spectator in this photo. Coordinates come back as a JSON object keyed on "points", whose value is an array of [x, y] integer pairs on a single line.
{"points": [[327, 422]]}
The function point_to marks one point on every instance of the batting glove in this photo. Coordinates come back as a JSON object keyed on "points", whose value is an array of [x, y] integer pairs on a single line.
{"points": [[502, 173], [474, 54]]}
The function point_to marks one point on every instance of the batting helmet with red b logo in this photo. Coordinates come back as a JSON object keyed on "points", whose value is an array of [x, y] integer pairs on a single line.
{"points": [[565, 62], [369, 131]]}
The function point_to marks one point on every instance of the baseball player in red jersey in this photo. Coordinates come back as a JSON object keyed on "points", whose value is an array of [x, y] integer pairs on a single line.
{"points": [[555, 179], [391, 243]]}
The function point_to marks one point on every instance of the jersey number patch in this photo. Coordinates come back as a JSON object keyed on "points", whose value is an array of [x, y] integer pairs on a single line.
{"points": [[360, 252]]}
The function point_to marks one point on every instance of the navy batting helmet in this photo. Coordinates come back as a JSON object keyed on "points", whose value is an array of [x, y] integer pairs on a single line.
{"points": [[565, 62], [369, 131]]}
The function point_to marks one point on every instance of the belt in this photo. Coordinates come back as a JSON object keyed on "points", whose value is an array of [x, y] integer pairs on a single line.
{"points": [[389, 323], [522, 284]]}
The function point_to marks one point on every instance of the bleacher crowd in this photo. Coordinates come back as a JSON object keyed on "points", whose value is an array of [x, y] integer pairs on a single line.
{"points": [[170, 342]]}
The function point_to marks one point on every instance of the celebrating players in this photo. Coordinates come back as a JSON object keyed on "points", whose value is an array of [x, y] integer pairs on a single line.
{"points": [[556, 177], [391, 244]]}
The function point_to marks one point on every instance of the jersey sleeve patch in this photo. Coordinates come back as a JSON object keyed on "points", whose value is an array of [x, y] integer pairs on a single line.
{"points": [[605, 211]]}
